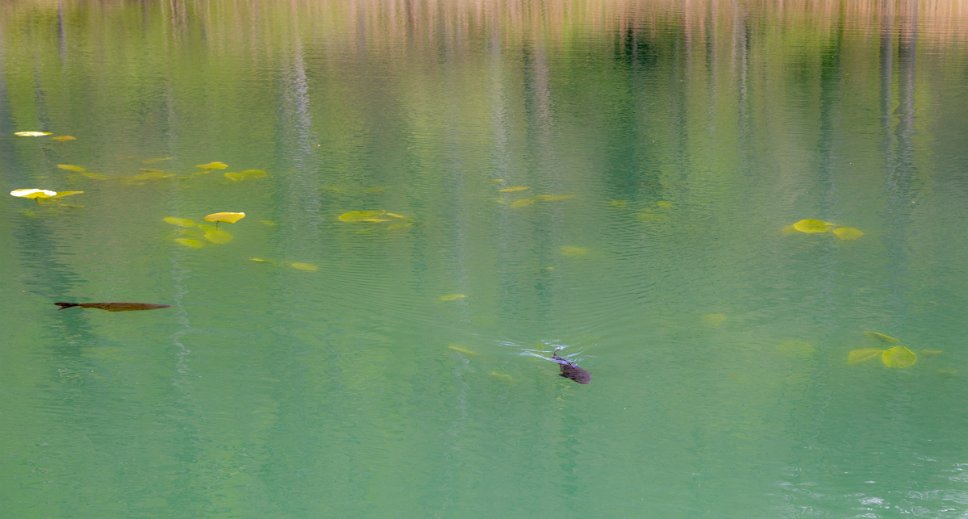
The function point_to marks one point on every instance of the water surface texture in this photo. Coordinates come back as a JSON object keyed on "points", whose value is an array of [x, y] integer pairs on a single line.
{"points": [[436, 191]]}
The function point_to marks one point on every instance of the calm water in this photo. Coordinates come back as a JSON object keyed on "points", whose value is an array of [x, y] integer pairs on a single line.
{"points": [[375, 368]]}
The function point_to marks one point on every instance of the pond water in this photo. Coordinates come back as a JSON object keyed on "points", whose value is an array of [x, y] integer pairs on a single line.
{"points": [[619, 178]]}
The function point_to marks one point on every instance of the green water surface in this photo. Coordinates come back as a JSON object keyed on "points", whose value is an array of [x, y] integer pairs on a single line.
{"points": [[615, 177]]}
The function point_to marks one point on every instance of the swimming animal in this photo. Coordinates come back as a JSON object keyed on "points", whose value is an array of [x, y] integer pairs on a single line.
{"points": [[570, 370], [112, 307]]}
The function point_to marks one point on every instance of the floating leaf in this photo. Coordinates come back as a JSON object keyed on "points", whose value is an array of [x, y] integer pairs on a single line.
{"points": [[847, 233], [31, 133], [227, 217], [451, 297], [460, 348], [213, 165], [180, 222], [812, 226], [523, 202], [190, 242], [882, 337], [863, 355], [218, 236], [899, 357], [33, 193], [62, 194], [63, 138], [553, 198], [365, 216], [573, 250], [72, 167], [513, 189], [306, 267]]}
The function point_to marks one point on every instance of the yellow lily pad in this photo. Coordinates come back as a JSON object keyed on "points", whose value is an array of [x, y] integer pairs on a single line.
{"points": [[812, 226], [33, 193], [847, 233], [365, 216], [62, 194], [218, 236], [227, 217], [212, 165], [63, 138], [31, 133], [180, 222], [899, 357], [882, 337], [863, 355], [71, 167], [513, 189], [573, 250], [190, 242], [306, 267], [451, 297]]}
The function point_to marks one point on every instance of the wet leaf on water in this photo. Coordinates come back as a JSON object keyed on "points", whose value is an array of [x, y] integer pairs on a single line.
{"points": [[212, 165], [882, 337], [180, 222], [513, 189], [226, 217], [365, 216], [33, 193], [812, 226], [304, 266], [847, 233], [899, 357], [190, 242], [72, 167], [62, 194], [451, 297], [573, 250], [31, 133], [218, 236], [863, 355]]}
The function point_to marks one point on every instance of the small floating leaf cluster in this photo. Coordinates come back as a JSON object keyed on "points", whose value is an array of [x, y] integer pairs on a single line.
{"points": [[815, 226], [893, 355], [196, 235]]}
